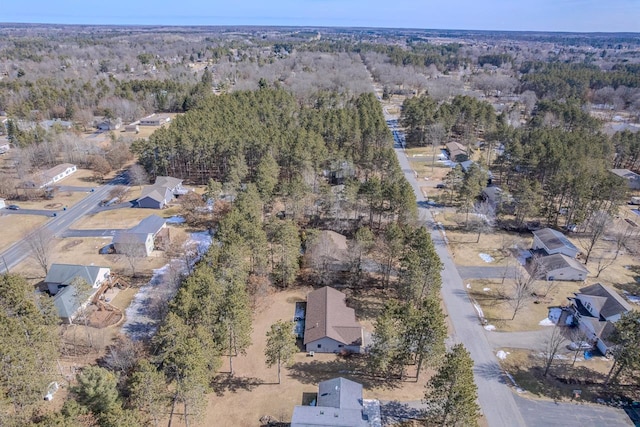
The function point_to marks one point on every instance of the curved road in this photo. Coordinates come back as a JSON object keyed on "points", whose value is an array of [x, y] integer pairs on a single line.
{"points": [[495, 397], [20, 250]]}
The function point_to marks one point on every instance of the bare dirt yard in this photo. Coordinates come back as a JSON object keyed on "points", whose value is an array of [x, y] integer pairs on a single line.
{"points": [[252, 392]]}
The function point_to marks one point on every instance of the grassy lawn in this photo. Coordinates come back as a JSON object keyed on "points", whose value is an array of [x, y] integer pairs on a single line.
{"points": [[586, 375], [15, 227], [492, 295]]}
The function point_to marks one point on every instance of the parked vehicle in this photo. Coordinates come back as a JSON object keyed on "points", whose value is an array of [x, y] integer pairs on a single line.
{"points": [[580, 345], [13, 207], [441, 186]]}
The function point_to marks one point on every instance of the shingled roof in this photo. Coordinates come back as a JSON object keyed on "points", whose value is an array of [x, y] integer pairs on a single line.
{"points": [[607, 301], [328, 316], [557, 261], [553, 239]]}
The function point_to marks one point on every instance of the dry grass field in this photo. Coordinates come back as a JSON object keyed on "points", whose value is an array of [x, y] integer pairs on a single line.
{"points": [[15, 227]]}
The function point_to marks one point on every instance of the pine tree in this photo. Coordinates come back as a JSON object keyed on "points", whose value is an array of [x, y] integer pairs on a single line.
{"points": [[281, 345], [451, 393]]}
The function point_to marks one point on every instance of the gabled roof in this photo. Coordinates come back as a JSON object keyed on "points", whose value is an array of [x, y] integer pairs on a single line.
{"points": [[168, 181], [127, 237], [607, 301], [150, 225], [553, 239], [328, 316], [67, 302], [57, 170], [154, 192], [557, 261], [63, 274], [340, 393]]}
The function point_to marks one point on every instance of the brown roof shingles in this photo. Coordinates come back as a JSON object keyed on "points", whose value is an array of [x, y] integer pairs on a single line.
{"points": [[327, 315]]}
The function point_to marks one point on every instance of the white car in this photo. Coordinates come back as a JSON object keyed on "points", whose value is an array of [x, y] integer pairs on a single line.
{"points": [[580, 345]]}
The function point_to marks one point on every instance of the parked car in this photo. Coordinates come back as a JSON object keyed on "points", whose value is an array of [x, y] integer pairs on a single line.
{"points": [[441, 186], [580, 345], [13, 207]]}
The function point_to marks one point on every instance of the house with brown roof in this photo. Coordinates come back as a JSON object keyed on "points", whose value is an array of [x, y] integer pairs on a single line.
{"points": [[331, 326], [595, 309], [457, 152]]}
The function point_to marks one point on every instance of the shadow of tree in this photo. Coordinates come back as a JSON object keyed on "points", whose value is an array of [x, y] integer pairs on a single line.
{"points": [[353, 368], [490, 371], [395, 412], [224, 382]]}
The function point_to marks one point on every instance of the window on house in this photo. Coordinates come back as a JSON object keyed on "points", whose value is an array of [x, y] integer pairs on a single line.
{"points": [[339, 345], [319, 345]]}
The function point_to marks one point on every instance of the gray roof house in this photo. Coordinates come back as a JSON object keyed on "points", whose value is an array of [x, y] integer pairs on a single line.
{"points": [[140, 239], [339, 403], [158, 195], [68, 299], [596, 308], [457, 152], [561, 267], [632, 178], [331, 326], [553, 242]]}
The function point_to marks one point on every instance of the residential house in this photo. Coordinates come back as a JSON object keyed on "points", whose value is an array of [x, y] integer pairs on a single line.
{"points": [[596, 308], [140, 239], [155, 120], [632, 179], [48, 124], [553, 242], [561, 267], [160, 194], [339, 403], [457, 152], [110, 124], [331, 326], [55, 174], [68, 298], [133, 127]]}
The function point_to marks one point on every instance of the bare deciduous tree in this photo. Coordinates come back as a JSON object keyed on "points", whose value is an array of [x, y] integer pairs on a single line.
{"points": [[596, 227], [41, 245], [137, 175], [484, 218], [554, 341], [521, 294]]}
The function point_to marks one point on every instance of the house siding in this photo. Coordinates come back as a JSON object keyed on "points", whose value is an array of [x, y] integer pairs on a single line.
{"points": [[148, 202], [328, 345], [566, 273]]}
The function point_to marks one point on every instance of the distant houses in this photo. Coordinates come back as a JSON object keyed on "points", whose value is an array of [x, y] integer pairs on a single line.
{"points": [[632, 179], [157, 119], [331, 326], [110, 124], [160, 194]]}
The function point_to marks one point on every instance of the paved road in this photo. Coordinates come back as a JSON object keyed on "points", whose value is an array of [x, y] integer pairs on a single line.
{"points": [[58, 225], [74, 188], [548, 413], [530, 340], [44, 212], [100, 232], [495, 397], [486, 272]]}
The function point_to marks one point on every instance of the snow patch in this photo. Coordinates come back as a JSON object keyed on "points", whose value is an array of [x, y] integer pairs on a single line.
{"points": [[502, 355], [554, 314], [468, 285], [142, 314], [547, 322], [486, 257], [490, 328], [635, 299], [176, 219], [486, 289]]}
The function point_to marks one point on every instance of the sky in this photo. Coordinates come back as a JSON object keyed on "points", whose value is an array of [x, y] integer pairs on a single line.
{"points": [[512, 15]]}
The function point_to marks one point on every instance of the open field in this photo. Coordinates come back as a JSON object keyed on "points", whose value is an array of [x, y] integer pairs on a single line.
{"points": [[253, 382], [15, 227]]}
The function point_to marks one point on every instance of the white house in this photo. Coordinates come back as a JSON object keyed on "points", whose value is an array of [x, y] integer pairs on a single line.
{"points": [[60, 275], [596, 308], [553, 242], [562, 267], [155, 120], [56, 173], [331, 326], [139, 240]]}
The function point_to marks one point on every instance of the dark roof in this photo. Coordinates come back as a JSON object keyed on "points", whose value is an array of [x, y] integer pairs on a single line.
{"points": [[329, 316], [553, 239], [150, 225], [607, 301], [557, 261], [340, 393], [128, 237], [155, 192], [63, 274]]}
